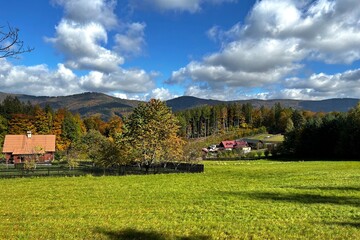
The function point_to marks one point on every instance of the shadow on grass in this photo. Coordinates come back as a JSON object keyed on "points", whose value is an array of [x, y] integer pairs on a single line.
{"points": [[304, 198], [129, 233], [346, 224], [327, 188]]}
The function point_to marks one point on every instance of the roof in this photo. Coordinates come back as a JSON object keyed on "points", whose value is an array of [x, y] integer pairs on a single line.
{"points": [[241, 144], [234, 144], [21, 144], [228, 144]]}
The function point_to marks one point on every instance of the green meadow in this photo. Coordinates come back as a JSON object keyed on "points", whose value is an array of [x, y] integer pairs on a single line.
{"points": [[230, 200]]}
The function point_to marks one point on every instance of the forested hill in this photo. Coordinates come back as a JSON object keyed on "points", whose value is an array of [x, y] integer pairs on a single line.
{"points": [[97, 103], [86, 104], [329, 105]]}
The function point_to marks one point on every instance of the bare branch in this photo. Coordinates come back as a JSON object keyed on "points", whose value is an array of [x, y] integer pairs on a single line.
{"points": [[10, 44]]}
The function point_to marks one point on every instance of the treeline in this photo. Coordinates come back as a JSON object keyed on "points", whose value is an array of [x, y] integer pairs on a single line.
{"points": [[151, 132], [307, 134], [208, 120], [17, 117], [148, 136], [334, 135]]}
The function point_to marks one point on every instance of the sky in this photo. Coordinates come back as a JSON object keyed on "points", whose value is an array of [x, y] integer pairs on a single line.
{"points": [[212, 49]]}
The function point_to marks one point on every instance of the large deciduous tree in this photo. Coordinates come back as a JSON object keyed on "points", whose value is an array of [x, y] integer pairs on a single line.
{"points": [[152, 131]]}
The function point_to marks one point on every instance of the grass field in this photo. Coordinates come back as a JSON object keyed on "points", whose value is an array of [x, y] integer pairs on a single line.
{"points": [[231, 200], [268, 137]]}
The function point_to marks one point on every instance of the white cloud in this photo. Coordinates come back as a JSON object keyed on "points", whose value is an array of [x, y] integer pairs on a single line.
{"points": [[244, 64], [85, 11], [38, 80], [81, 47], [191, 6], [273, 44], [162, 94], [42, 81], [120, 95], [129, 81], [346, 84], [82, 38], [132, 42], [328, 30]]}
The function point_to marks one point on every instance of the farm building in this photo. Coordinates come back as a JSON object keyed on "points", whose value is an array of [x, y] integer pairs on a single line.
{"points": [[235, 144], [20, 148], [228, 145], [254, 143]]}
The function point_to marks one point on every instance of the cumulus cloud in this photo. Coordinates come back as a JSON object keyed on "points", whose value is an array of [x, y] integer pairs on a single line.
{"points": [[244, 64], [346, 84], [38, 79], [132, 42], [81, 46], [130, 81], [82, 38], [191, 6], [43, 81], [317, 86], [273, 43], [162, 94], [84, 11]]}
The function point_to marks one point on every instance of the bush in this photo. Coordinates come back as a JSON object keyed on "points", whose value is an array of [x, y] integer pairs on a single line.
{"points": [[30, 165], [251, 154], [267, 153]]}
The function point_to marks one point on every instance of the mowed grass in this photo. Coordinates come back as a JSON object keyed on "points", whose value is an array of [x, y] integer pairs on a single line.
{"points": [[269, 137], [230, 200]]}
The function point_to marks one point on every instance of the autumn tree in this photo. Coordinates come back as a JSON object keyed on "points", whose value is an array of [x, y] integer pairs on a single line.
{"points": [[59, 117], [96, 123], [41, 121], [21, 123], [3, 129], [72, 129], [114, 127], [152, 130], [93, 141]]}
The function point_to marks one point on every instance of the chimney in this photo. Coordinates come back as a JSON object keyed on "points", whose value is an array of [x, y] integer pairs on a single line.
{"points": [[28, 133]]}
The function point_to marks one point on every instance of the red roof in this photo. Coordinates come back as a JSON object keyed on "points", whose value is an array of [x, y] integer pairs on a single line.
{"points": [[21, 144], [233, 144], [228, 144]]}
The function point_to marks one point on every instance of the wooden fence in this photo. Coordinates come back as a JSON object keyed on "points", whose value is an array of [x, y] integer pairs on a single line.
{"points": [[10, 171]]}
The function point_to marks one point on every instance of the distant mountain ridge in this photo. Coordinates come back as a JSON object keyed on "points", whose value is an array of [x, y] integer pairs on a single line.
{"points": [[327, 105], [86, 104], [90, 103]]}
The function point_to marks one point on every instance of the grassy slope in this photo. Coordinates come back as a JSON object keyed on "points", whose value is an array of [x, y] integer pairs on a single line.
{"points": [[268, 137], [260, 199]]}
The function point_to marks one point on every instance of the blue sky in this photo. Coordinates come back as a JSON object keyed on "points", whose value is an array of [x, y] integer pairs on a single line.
{"points": [[218, 49]]}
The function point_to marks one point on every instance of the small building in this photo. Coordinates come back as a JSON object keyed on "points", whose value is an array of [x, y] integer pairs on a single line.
{"points": [[254, 143], [234, 144], [227, 145], [20, 148]]}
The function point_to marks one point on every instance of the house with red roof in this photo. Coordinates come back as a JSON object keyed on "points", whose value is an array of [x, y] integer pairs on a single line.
{"points": [[21, 148], [234, 144]]}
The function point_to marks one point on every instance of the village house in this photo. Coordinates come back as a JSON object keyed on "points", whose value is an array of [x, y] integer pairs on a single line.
{"points": [[233, 144], [228, 146], [21, 148]]}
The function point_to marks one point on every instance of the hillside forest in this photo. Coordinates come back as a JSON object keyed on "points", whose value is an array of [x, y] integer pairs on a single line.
{"points": [[153, 133]]}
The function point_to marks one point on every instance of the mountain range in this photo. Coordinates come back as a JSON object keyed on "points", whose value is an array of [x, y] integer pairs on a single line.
{"points": [[90, 103]]}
